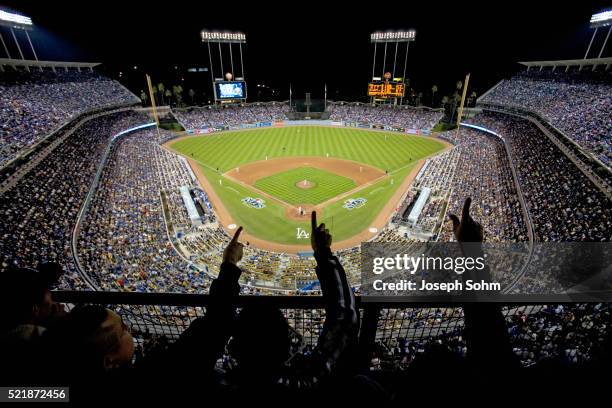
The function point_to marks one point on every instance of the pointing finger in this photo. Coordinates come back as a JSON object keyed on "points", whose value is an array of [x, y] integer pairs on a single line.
{"points": [[313, 220], [236, 235], [465, 214]]}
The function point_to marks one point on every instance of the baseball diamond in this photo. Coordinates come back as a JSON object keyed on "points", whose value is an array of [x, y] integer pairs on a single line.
{"points": [[322, 185], [300, 169]]}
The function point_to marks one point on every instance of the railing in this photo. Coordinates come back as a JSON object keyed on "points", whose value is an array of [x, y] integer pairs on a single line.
{"points": [[382, 323]]}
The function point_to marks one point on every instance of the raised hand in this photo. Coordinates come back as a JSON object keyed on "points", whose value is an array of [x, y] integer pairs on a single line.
{"points": [[233, 252], [466, 230], [320, 238]]}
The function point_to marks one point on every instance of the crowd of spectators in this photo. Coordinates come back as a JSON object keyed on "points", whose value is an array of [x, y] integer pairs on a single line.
{"points": [[33, 104], [38, 213], [438, 171], [564, 204], [123, 241], [483, 173], [236, 115], [563, 335], [400, 117], [576, 105], [231, 115]]}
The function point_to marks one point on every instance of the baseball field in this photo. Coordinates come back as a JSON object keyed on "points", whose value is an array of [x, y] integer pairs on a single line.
{"points": [[270, 179]]}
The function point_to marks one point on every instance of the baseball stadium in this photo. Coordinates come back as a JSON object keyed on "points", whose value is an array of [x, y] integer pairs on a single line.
{"points": [[149, 228]]}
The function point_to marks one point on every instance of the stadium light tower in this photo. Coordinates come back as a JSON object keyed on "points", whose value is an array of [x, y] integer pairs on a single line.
{"points": [[602, 19], [220, 37], [16, 22], [393, 37], [224, 37]]}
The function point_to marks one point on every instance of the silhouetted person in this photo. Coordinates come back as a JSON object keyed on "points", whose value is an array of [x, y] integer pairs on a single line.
{"points": [[485, 332], [26, 310], [261, 335]]}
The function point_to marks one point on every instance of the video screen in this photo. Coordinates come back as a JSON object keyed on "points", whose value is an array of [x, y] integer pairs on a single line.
{"points": [[230, 90]]}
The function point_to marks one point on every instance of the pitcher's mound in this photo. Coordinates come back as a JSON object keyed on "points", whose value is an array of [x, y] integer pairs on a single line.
{"points": [[301, 212], [305, 184]]}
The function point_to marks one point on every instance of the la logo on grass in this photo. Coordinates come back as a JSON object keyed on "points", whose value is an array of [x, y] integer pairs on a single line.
{"points": [[301, 233]]}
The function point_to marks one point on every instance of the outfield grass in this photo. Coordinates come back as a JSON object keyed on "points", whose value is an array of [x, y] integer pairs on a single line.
{"points": [[384, 150], [395, 152], [271, 224], [326, 185]]}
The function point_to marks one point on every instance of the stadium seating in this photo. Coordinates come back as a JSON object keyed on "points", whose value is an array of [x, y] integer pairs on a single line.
{"points": [[226, 116], [483, 173], [578, 105], [393, 116], [38, 214], [564, 204], [34, 104]]}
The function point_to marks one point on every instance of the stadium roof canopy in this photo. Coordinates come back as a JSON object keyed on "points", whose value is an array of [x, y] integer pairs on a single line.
{"points": [[17, 63], [589, 62]]}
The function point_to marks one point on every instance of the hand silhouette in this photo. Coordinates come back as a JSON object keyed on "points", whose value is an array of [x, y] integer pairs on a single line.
{"points": [[233, 252], [466, 230], [320, 238]]}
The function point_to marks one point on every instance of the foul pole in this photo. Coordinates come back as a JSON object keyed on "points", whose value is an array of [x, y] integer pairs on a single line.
{"points": [[465, 86], [153, 106]]}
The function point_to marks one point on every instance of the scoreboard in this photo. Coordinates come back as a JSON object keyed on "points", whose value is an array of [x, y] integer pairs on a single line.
{"points": [[386, 89], [230, 90]]}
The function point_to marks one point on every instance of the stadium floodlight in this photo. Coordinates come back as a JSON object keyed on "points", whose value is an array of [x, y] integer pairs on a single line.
{"points": [[393, 36], [602, 19], [222, 36], [386, 37], [14, 20], [219, 38], [19, 22]]}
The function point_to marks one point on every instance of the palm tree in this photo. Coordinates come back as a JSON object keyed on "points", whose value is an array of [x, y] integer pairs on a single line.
{"points": [[444, 101], [168, 95], [161, 88], [419, 97], [143, 98], [191, 95], [459, 85], [454, 101], [434, 89], [177, 91], [473, 96]]}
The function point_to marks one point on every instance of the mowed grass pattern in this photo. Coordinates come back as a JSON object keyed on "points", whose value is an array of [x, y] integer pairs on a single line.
{"points": [[384, 150], [283, 185], [224, 151]]}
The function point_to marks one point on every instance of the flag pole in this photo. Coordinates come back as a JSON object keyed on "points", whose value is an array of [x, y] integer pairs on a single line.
{"points": [[325, 101]]}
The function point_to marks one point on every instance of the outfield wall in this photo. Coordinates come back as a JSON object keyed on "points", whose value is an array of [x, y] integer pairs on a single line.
{"points": [[282, 123]]}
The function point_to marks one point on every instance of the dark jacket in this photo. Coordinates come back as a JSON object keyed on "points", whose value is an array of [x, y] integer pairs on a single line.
{"points": [[203, 343]]}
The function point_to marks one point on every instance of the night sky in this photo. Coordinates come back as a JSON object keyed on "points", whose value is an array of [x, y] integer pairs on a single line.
{"points": [[308, 44]]}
